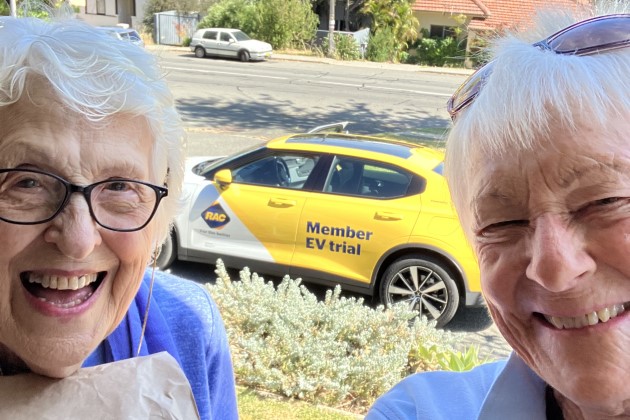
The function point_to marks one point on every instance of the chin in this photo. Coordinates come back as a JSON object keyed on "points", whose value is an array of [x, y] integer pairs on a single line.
{"points": [[55, 372]]}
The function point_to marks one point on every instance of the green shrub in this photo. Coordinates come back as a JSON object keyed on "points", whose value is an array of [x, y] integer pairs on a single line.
{"points": [[425, 357], [346, 48], [282, 23], [240, 14], [186, 42], [381, 46], [338, 351], [438, 52]]}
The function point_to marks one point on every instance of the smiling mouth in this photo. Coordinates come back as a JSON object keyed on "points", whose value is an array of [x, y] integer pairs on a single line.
{"points": [[592, 318], [60, 291]]}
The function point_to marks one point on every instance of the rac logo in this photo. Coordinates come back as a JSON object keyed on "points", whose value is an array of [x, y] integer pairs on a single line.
{"points": [[215, 216]]}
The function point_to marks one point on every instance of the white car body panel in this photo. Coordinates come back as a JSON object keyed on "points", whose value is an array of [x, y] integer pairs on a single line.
{"points": [[195, 233], [221, 46]]}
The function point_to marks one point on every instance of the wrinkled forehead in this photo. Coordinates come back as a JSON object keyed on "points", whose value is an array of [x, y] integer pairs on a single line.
{"points": [[561, 151]]}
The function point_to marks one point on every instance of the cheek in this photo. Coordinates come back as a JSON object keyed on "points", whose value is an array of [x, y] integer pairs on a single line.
{"points": [[131, 247], [133, 251], [502, 270], [610, 246], [15, 247]]}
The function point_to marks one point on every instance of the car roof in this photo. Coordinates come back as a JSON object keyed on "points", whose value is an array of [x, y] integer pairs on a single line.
{"points": [[116, 29], [221, 29], [361, 146]]}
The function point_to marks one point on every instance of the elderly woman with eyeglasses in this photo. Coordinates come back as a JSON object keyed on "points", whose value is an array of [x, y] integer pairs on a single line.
{"points": [[538, 164], [91, 167]]}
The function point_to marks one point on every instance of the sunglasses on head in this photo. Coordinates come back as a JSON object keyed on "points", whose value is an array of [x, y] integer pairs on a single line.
{"points": [[591, 36]]}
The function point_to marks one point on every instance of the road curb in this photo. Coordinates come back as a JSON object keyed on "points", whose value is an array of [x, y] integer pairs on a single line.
{"points": [[332, 61]]}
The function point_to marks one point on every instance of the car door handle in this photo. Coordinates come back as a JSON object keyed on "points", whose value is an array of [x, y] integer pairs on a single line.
{"points": [[386, 215], [281, 202]]}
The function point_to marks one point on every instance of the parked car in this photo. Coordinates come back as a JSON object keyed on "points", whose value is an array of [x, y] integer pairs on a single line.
{"points": [[371, 214], [223, 42], [124, 34]]}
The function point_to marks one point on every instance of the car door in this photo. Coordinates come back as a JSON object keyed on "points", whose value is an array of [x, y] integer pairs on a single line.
{"points": [[365, 209], [227, 45], [209, 42], [255, 216]]}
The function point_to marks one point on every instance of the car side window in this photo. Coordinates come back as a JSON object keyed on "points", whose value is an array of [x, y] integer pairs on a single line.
{"points": [[279, 170], [210, 35], [349, 176], [225, 37]]}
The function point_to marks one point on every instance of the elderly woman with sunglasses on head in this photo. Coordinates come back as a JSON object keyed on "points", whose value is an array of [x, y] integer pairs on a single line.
{"points": [[91, 166], [538, 163]]}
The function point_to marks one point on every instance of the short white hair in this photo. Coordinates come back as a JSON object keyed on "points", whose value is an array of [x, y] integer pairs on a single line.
{"points": [[97, 77], [528, 90]]}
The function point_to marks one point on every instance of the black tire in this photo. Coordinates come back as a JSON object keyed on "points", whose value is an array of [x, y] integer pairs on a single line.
{"points": [[200, 52], [243, 56], [425, 283], [168, 253]]}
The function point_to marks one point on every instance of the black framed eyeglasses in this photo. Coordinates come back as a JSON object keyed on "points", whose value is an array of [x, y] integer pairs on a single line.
{"points": [[590, 36], [30, 196]]}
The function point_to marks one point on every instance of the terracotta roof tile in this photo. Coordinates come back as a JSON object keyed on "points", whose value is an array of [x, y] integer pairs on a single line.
{"points": [[502, 13], [468, 7]]}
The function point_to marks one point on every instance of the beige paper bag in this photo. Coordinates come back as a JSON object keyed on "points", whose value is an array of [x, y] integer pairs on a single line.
{"points": [[149, 387]]}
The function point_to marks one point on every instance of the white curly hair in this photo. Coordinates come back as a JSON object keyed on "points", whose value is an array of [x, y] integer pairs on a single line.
{"points": [[96, 77], [529, 89]]}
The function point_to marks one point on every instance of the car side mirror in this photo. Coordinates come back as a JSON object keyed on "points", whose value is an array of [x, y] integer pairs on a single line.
{"points": [[223, 178]]}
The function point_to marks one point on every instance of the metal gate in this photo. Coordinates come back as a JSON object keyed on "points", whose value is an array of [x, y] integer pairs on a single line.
{"points": [[172, 28]]}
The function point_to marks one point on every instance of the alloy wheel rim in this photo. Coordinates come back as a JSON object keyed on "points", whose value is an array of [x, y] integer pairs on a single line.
{"points": [[422, 289]]}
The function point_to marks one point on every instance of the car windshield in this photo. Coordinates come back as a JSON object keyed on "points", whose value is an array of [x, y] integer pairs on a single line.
{"points": [[240, 36], [134, 36], [205, 170]]}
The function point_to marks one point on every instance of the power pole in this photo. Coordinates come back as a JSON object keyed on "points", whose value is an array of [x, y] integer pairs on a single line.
{"points": [[331, 28], [13, 8]]}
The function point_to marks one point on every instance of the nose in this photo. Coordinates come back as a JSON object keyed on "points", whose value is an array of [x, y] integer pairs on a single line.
{"points": [[74, 231], [559, 258]]}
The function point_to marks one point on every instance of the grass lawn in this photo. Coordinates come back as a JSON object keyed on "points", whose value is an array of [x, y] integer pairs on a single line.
{"points": [[253, 406]]}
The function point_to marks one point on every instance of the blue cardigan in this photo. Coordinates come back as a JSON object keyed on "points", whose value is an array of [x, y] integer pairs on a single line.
{"points": [[185, 322]]}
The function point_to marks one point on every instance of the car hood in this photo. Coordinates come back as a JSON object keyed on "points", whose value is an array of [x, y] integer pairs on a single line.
{"points": [[255, 45]]}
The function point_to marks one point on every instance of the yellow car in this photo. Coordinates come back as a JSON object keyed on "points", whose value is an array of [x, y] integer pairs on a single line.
{"points": [[372, 215]]}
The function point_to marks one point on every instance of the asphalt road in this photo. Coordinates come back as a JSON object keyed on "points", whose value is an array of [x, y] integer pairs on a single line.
{"points": [[227, 106]]}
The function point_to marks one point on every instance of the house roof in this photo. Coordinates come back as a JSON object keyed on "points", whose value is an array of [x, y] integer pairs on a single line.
{"points": [[455, 7], [495, 14]]}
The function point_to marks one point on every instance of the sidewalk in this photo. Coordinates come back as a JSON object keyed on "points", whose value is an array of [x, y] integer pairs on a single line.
{"points": [[325, 60]]}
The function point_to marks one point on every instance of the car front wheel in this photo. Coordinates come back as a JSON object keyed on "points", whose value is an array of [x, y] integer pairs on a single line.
{"points": [[243, 55], [168, 253], [200, 52], [424, 284]]}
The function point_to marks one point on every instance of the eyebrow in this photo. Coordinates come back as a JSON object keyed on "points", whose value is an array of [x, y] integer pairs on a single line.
{"points": [[571, 175]]}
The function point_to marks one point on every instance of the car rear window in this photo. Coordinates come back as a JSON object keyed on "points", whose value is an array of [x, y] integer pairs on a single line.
{"points": [[210, 35]]}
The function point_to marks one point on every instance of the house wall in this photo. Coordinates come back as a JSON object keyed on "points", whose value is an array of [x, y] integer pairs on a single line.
{"points": [[88, 13], [427, 19]]}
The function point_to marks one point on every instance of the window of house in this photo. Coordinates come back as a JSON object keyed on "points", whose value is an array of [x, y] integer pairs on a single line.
{"points": [[441, 31], [100, 7]]}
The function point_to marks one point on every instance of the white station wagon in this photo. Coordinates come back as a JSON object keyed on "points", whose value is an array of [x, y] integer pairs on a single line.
{"points": [[223, 42]]}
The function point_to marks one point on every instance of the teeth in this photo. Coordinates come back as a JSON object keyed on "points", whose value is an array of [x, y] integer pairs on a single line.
{"points": [[592, 318], [63, 283], [603, 315]]}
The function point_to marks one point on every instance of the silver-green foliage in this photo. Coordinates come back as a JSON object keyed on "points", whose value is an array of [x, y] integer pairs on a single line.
{"points": [[336, 351]]}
